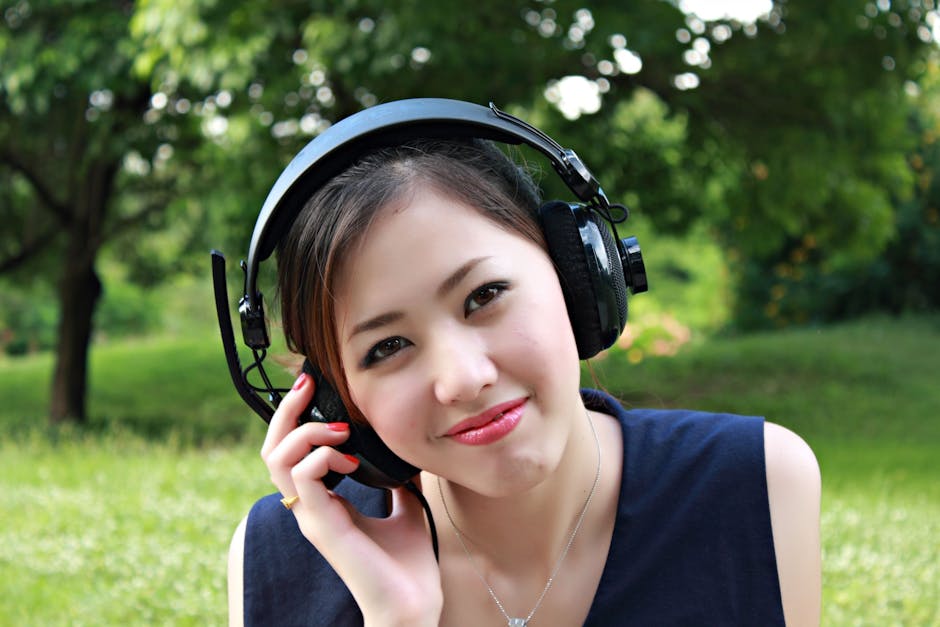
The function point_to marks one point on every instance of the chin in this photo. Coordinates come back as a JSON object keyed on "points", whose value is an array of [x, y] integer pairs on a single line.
{"points": [[514, 476]]}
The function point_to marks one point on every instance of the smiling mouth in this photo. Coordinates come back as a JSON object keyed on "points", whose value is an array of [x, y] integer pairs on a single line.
{"points": [[491, 425], [494, 419]]}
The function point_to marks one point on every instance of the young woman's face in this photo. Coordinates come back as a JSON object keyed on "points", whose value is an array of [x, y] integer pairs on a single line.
{"points": [[456, 345]]}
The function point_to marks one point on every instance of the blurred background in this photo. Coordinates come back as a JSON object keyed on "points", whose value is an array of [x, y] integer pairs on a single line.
{"points": [[778, 158]]}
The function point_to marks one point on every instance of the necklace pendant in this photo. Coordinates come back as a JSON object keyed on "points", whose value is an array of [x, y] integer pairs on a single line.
{"points": [[517, 622]]}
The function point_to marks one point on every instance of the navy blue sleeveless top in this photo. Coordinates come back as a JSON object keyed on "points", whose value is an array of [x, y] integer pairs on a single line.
{"points": [[692, 543]]}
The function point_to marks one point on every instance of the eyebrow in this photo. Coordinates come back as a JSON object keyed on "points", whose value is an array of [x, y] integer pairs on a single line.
{"points": [[376, 322], [447, 286], [458, 275]]}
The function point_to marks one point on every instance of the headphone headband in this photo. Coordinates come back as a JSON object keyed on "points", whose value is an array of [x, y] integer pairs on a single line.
{"points": [[341, 144]]}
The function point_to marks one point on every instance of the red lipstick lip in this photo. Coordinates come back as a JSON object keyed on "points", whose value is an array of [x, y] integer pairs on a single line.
{"points": [[474, 422]]}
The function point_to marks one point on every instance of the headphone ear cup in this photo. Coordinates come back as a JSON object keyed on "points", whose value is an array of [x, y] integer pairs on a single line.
{"points": [[378, 466], [591, 274]]}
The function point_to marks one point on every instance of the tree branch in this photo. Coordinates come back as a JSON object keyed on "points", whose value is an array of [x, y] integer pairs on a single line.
{"points": [[132, 220], [28, 250], [59, 210]]}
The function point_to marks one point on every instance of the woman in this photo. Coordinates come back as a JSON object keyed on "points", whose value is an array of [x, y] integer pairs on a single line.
{"points": [[418, 279]]}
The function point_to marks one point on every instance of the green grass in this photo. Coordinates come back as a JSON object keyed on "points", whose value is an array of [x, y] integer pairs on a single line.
{"points": [[870, 380], [115, 530], [154, 386], [128, 521]]}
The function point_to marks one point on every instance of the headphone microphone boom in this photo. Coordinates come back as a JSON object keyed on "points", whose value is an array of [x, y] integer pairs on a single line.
{"points": [[595, 266]]}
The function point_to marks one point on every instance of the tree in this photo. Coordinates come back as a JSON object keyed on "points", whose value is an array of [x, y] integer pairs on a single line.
{"points": [[85, 159], [118, 117], [813, 115], [114, 113], [71, 115]]}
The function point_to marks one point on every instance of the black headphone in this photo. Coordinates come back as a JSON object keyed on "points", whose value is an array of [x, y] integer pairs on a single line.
{"points": [[595, 267]]}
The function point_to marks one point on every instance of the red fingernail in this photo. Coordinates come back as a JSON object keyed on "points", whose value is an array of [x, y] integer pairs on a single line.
{"points": [[337, 426], [299, 383], [352, 458]]}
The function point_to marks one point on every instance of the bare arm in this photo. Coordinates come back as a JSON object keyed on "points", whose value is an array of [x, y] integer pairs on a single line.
{"points": [[236, 555], [793, 488]]}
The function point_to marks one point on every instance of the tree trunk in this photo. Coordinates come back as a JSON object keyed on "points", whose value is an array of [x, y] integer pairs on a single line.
{"points": [[79, 292]]}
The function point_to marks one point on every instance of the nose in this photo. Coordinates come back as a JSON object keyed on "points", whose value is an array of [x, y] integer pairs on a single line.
{"points": [[462, 367]]}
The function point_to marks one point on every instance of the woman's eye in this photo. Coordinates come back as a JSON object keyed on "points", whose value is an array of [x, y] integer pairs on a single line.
{"points": [[384, 349], [483, 296]]}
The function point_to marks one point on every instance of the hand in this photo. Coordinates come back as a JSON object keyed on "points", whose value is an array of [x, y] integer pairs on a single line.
{"points": [[387, 563]]}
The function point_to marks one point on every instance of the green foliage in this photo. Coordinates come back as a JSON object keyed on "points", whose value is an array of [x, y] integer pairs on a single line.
{"points": [[641, 152], [127, 309], [906, 276], [27, 319], [689, 297], [822, 167], [810, 282]]}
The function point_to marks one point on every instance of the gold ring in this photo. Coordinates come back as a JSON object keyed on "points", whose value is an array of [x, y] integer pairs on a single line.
{"points": [[288, 501]]}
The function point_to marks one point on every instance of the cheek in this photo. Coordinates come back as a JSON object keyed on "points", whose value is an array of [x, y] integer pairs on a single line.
{"points": [[541, 345], [390, 406], [548, 324]]}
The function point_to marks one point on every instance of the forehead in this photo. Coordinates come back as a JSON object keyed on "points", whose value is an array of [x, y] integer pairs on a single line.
{"points": [[405, 232], [413, 243]]}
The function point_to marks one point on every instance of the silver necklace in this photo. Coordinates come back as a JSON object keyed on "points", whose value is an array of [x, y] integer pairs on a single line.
{"points": [[522, 622]]}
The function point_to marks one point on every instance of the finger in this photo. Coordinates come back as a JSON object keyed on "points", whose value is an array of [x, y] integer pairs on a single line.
{"points": [[307, 475], [285, 418], [296, 446]]}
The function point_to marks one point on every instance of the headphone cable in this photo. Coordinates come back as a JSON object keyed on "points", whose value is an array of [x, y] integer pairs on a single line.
{"points": [[411, 487]]}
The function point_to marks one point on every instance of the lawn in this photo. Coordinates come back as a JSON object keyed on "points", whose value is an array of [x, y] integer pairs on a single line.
{"points": [[117, 530], [127, 522]]}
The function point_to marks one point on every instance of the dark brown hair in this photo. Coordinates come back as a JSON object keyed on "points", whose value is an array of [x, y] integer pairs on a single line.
{"points": [[473, 172]]}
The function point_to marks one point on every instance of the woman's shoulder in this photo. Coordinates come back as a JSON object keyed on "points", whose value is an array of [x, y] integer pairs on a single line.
{"points": [[793, 491], [602, 401], [693, 516], [681, 436]]}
